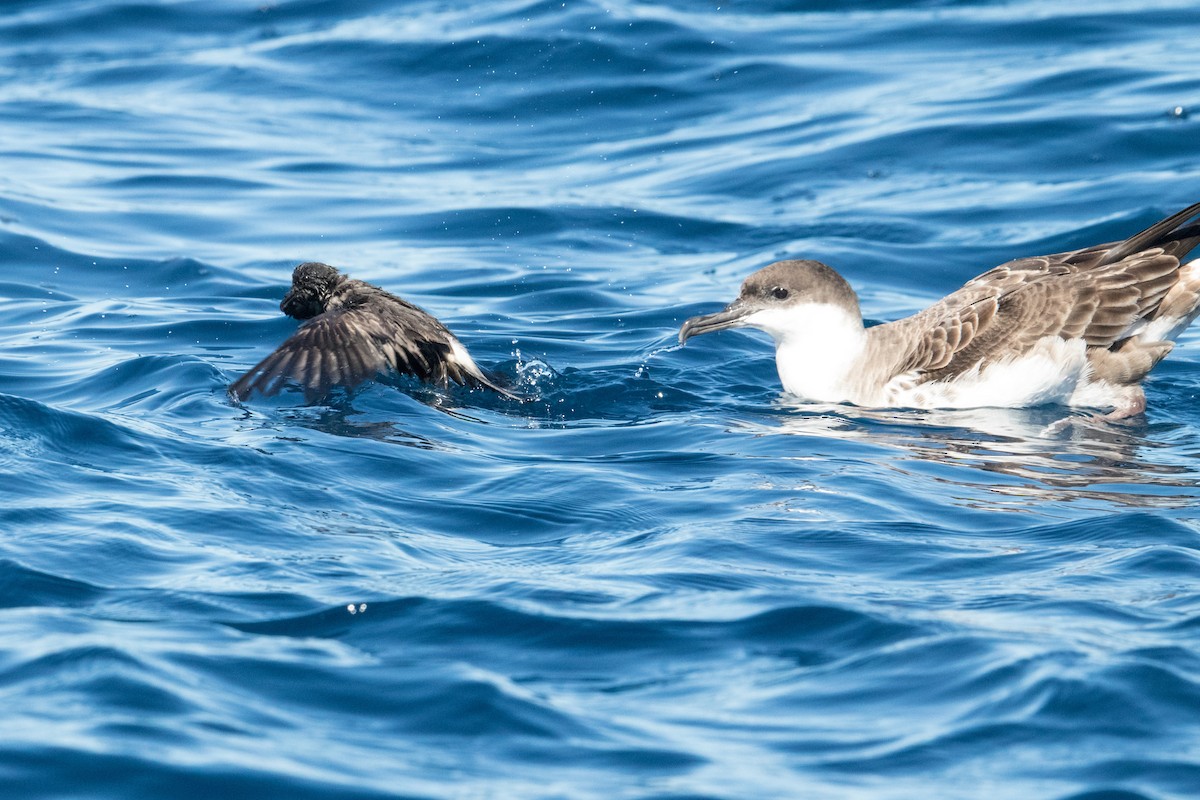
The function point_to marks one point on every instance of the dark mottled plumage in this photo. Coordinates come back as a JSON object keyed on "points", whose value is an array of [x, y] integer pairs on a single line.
{"points": [[353, 332], [1122, 302]]}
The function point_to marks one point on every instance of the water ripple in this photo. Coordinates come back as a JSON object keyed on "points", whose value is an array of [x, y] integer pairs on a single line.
{"points": [[658, 577]]}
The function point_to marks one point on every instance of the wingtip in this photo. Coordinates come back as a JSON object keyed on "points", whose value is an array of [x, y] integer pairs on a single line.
{"points": [[1154, 236], [237, 391], [489, 380]]}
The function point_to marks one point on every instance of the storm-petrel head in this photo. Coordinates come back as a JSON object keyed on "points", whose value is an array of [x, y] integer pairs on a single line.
{"points": [[312, 286]]}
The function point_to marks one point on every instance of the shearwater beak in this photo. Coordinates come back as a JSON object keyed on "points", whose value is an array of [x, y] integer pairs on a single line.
{"points": [[732, 316]]}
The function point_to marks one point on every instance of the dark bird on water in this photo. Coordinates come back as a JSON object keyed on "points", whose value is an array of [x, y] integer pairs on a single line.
{"points": [[354, 332], [1081, 328]]}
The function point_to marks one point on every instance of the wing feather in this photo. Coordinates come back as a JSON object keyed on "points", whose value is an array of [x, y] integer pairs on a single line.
{"points": [[1006, 311], [311, 358], [349, 345]]}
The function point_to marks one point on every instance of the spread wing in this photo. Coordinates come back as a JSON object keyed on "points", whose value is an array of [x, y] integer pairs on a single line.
{"points": [[1004, 312], [348, 346]]}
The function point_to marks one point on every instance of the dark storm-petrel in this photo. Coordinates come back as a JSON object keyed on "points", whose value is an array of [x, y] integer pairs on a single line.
{"points": [[354, 332]]}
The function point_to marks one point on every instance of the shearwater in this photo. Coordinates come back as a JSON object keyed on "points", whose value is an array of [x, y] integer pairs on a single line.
{"points": [[1081, 328], [354, 331]]}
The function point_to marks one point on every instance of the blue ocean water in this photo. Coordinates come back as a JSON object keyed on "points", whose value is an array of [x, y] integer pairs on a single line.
{"points": [[659, 579]]}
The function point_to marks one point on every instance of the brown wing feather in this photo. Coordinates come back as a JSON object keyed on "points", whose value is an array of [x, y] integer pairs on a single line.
{"points": [[1007, 310], [310, 357], [346, 348]]}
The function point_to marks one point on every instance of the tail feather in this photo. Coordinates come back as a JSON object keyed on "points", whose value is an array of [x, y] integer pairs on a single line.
{"points": [[1128, 363], [1178, 308]]}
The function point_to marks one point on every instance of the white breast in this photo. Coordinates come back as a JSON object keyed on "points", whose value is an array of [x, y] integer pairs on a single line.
{"points": [[816, 348]]}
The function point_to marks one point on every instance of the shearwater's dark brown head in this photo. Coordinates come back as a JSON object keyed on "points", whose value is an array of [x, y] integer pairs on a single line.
{"points": [[775, 299], [312, 287]]}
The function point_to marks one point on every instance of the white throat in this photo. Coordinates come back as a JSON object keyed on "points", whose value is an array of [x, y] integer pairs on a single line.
{"points": [[817, 346]]}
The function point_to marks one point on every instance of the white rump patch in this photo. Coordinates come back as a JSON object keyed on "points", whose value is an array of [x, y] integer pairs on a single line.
{"points": [[459, 354]]}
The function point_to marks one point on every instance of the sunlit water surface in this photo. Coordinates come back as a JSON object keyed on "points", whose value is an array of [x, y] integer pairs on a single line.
{"points": [[660, 577]]}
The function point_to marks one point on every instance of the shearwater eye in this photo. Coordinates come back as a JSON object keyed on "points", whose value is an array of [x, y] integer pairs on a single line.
{"points": [[779, 293]]}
